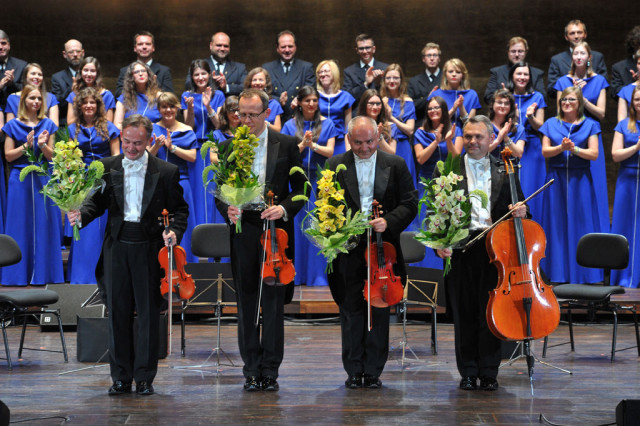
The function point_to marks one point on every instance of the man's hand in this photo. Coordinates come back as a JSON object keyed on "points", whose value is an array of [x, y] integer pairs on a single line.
{"points": [[169, 238], [378, 224], [519, 209], [73, 216], [272, 213], [233, 213], [444, 253]]}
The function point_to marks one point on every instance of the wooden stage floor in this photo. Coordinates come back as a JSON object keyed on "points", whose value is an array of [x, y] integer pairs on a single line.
{"points": [[312, 389]]}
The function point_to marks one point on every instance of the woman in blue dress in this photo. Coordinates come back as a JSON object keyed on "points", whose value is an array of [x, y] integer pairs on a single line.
{"points": [[570, 210], [3, 185], [97, 137], [624, 95], [32, 219], [335, 103], [200, 105], [626, 207], [531, 106], [506, 128], [432, 143], [401, 112], [176, 143], [259, 78], [90, 75], [462, 101], [593, 88], [139, 94], [316, 140], [34, 75], [372, 106]]}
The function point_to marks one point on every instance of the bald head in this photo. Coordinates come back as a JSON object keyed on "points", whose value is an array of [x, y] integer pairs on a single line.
{"points": [[363, 136], [73, 53], [220, 46]]}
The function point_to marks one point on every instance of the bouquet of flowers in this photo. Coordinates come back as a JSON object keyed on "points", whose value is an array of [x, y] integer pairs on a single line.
{"points": [[70, 181], [448, 209], [327, 225], [237, 185]]}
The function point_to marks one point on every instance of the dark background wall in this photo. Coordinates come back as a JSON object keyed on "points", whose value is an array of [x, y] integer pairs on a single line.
{"points": [[475, 31]]}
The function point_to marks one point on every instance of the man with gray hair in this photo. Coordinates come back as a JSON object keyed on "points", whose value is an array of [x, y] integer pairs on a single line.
{"points": [[472, 276], [370, 175], [10, 70]]}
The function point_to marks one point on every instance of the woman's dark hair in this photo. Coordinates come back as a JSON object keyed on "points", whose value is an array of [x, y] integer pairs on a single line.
{"points": [[230, 104], [445, 120], [511, 84], [382, 117], [79, 83], [513, 110], [297, 115], [195, 64], [100, 122]]}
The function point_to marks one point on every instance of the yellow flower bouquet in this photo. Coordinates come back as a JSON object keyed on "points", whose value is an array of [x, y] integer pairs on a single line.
{"points": [[327, 225], [71, 182], [237, 185]]}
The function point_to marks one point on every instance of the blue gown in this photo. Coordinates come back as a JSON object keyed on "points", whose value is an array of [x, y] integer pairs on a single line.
{"points": [[107, 98], [424, 138], [143, 107], [13, 101], [626, 212], [334, 107], [203, 204], [185, 139], [403, 144], [3, 194], [570, 209], [516, 134], [32, 219], [471, 101], [310, 265], [84, 254], [533, 164], [591, 92], [626, 92], [276, 110]]}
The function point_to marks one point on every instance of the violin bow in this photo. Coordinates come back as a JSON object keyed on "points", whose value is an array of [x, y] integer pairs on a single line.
{"points": [[506, 216]]}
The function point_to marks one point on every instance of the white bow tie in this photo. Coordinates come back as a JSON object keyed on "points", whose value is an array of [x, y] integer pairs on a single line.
{"points": [[132, 165]]}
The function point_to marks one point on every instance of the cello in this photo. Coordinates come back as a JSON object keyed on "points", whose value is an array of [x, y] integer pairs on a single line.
{"points": [[521, 307], [382, 288]]}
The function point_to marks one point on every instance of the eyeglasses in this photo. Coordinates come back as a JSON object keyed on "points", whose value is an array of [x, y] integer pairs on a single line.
{"points": [[250, 115], [435, 108], [374, 104], [364, 48], [568, 100]]}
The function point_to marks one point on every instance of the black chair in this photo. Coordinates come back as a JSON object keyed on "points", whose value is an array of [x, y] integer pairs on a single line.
{"points": [[423, 291], [23, 303], [606, 251], [211, 241]]}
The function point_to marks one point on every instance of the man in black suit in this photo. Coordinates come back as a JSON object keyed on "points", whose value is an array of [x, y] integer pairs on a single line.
{"points": [[574, 33], [10, 70], [365, 74], [138, 187], [517, 50], [143, 47], [228, 75], [472, 276], [62, 81], [625, 72], [288, 74], [421, 85], [370, 174], [276, 154]]}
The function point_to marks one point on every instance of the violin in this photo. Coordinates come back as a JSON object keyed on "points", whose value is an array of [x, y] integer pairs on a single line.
{"points": [[382, 288], [522, 306], [172, 259], [277, 268]]}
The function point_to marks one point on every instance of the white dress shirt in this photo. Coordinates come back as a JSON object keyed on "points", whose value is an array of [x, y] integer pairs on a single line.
{"points": [[479, 177], [366, 172], [134, 173]]}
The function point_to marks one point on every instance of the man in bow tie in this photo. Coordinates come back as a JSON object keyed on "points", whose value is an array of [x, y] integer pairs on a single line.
{"points": [[472, 276], [370, 174], [138, 187]]}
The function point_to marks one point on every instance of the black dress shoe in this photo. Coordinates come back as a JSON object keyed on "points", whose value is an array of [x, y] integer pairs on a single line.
{"points": [[270, 384], [469, 383], [488, 383], [252, 384], [144, 388], [354, 381], [372, 382], [119, 387]]}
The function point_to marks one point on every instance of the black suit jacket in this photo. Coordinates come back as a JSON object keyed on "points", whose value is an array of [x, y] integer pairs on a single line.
{"points": [[501, 75], [300, 74], [354, 81], [561, 64], [419, 89], [162, 190], [162, 72], [620, 75], [16, 85], [61, 83], [234, 72], [394, 188]]}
